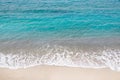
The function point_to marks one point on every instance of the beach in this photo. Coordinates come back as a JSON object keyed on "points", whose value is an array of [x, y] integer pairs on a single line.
{"points": [[59, 39], [58, 73]]}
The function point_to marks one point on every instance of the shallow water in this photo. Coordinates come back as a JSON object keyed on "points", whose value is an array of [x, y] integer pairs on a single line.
{"points": [[76, 33]]}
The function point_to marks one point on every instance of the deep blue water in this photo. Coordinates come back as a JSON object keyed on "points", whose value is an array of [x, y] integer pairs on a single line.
{"points": [[58, 19]]}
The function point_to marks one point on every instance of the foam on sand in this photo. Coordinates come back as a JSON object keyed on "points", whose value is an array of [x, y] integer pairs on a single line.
{"points": [[61, 56]]}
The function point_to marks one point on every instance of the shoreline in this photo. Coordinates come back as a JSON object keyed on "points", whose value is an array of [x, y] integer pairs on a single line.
{"points": [[58, 73]]}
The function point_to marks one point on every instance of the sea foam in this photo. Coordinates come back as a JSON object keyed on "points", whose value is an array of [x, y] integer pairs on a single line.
{"points": [[61, 56]]}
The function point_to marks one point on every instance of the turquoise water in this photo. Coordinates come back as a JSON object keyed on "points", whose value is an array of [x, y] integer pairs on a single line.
{"points": [[76, 33], [56, 19]]}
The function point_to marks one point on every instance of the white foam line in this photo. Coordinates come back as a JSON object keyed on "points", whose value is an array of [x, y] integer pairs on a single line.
{"points": [[105, 59]]}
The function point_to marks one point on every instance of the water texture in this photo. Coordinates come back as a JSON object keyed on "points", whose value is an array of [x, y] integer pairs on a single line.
{"points": [[74, 33]]}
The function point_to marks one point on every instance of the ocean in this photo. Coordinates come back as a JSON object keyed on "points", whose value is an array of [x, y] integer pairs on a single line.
{"points": [[71, 33]]}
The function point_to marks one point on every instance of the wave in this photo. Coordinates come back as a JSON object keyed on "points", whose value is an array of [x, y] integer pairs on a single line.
{"points": [[62, 56]]}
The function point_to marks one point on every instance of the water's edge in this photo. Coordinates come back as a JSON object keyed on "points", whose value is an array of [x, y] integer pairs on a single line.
{"points": [[61, 56]]}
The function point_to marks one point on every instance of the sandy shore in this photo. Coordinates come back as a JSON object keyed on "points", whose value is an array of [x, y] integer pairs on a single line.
{"points": [[58, 73]]}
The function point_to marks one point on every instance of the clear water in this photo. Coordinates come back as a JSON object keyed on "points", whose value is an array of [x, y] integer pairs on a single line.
{"points": [[78, 33]]}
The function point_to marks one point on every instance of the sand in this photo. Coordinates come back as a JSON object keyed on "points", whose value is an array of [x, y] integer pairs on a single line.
{"points": [[58, 73]]}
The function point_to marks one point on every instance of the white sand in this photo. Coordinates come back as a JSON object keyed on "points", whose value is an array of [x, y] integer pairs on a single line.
{"points": [[58, 73]]}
